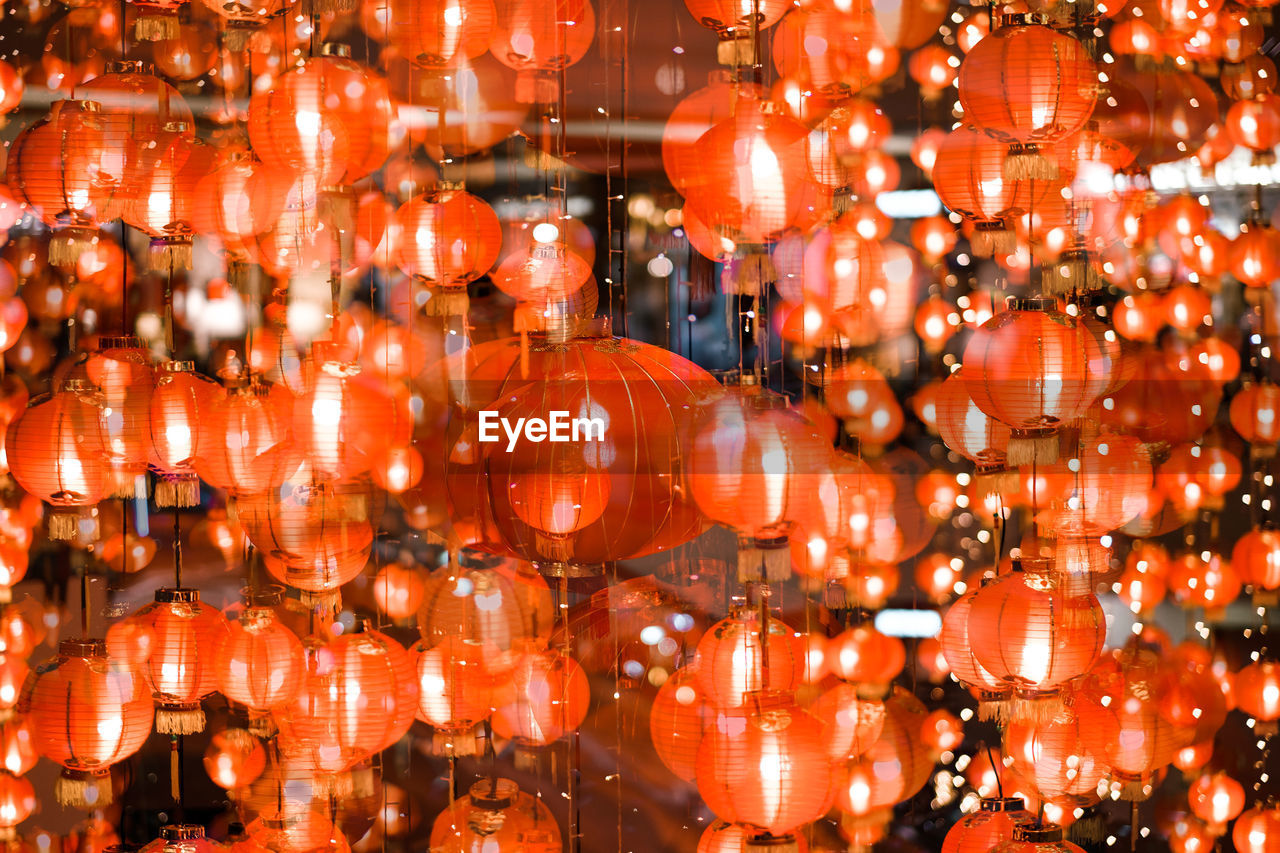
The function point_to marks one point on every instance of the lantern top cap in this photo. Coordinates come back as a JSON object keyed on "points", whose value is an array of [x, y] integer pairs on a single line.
{"points": [[1042, 834], [1031, 303], [82, 647], [494, 794], [106, 342], [177, 595], [181, 831], [1001, 804], [1023, 19], [130, 66], [178, 366], [335, 49]]}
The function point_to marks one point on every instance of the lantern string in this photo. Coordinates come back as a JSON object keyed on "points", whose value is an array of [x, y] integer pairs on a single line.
{"points": [[177, 548], [995, 768]]}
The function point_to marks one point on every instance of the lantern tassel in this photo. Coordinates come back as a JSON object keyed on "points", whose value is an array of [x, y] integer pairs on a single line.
{"points": [[702, 272], [156, 27], [993, 706], [454, 744], [68, 244], [335, 785], [447, 302], [1027, 163], [1071, 272], [84, 789], [1033, 447], [63, 524], [1134, 790], [328, 601], [170, 253], [750, 273], [262, 724], [181, 490], [992, 238], [124, 483], [1088, 829], [1035, 709], [180, 719]]}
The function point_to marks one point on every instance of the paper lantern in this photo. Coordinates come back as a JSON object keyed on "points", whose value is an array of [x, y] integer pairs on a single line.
{"points": [[546, 698], [1252, 256], [677, 721], [1027, 368], [895, 767], [1052, 757], [86, 713], [1257, 830], [1253, 413], [1257, 693], [455, 691], [258, 662], [234, 759], [539, 38], [992, 823], [17, 746], [248, 447], [162, 203], [185, 633], [731, 656], [121, 369], [1216, 799], [496, 813], [960, 655], [181, 405], [854, 722], [442, 34], [766, 765], [450, 238], [865, 656]]}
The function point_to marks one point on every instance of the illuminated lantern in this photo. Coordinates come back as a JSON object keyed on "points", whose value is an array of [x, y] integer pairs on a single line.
{"points": [[895, 767], [494, 609], [753, 463], [180, 668], [1258, 830], [443, 34], [258, 662], [960, 655], [924, 153], [1218, 358], [854, 722], [162, 203], [1252, 256], [967, 429], [1141, 591], [301, 830], [12, 88], [326, 119], [867, 657], [1037, 838], [1257, 692], [120, 368], [17, 746], [1140, 316], [538, 39], [731, 656], [1216, 799], [677, 721], [1027, 368], [1162, 402], [498, 815], [834, 49], [1197, 582], [546, 698], [766, 765], [693, 116], [358, 696], [724, 837], [1052, 756], [248, 447], [86, 713], [234, 759], [399, 590], [181, 404], [992, 823], [1255, 123], [1027, 84], [1121, 722], [450, 238], [239, 200], [56, 453], [934, 68], [1256, 558], [17, 802], [1030, 633], [455, 692], [1255, 414]]}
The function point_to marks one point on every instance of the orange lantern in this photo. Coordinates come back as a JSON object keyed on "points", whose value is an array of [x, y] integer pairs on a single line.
{"points": [[1053, 758], [1216, 799], [450, 238], [991, 824], [86, 713], [455, 691], [546, 698], [1257, 692], [1255, 414], [731, 657], [437, 36], [867, 657], [258, 662], [1257, 830], [248, 447], [181, 404], [959, 652], [234, 759], [854, 722]]}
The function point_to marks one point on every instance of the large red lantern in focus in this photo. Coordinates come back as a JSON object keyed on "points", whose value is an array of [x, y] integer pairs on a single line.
{"points": [[56, 453], [766, 765], [184, 633], [958, 649], [86, 712], [731, 659], [449, 238], [181, 404], [326, 119], [993, 822], [358, 696], [1027, 367]]}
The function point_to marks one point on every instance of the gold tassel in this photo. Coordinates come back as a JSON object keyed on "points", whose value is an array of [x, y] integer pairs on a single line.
{"points": [[181, 490], [84, 789], [454, 744], [1071, 272], [68, 244], [156, 28], [262, 724], [1088, 829], [1028, 447], [124, 482], [180, 720], [447, 302], [170, 253], [1027, 163], [329, 601], [63, 524], [992, 238]]}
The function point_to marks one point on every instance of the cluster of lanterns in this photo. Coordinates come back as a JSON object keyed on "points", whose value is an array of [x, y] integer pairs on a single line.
{"points": [[1044, 412]]}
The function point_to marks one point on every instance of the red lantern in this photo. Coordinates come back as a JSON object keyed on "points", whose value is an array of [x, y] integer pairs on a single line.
{"points": [[539, 38], [1255, 414], [959, 652], [1216, 799], [234, 759], [455, 691], [121, 369], [854, 722], [181, 404], [731, 657], [1255, 255], [1255, 123], [437, 36], [546, 698], [86, 713], [1256, 558], [180, 669], [865, 656], [162, 203], [1052, 756], [1257, 692], [766, 765], [1258, 830], [992, 823], [677, 721], [258, 662], [248, 447], [450, 238]]}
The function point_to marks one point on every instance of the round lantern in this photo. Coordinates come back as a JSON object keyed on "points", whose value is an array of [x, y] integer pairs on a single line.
{"points": [[17, 802], [1027, 367], [1257, 692], [766, 765], [854, 722], [539, 38], [1027, 83], [258, 662], [546, 697], [455, 691], [181, 404], [677, 721], [725, 837], [248, 447], [1216, 799], [960, 655], [1051, 755], [1255, 123], [1252, 257], [1257, 830], [731, 657], [1255, 414], [498, 815], [238, 201], [442, 35], [358, 696], [234, 759], [1027, 631], [17, 746], [162, 203], [1256, 558], [865, 656], [895, 767], [184, 632], [449, 238], [992, 823], [86, 713]]}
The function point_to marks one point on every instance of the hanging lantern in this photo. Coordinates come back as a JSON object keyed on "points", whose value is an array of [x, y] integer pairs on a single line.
{"points": [[766, 765], [1257, 692], [121, 369], [358, 696], [1257, 830], [455, 692], [181, 404], [249, 447], [1037, 838], [180, 668], [56, 453], [1216, 799], [992, 823], [1052, 756], [234, 759], [441, 35], [546, 698], [731, 658], [86, 713], [257, 661], [866, 657], [1027, 368], [496, 812], [1254, 414], [538, 39], [991, 691], [162, 204], [895, 767], [450, 238]]}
